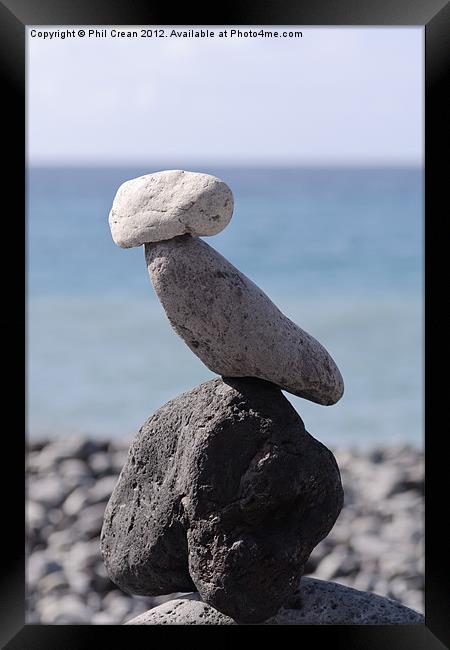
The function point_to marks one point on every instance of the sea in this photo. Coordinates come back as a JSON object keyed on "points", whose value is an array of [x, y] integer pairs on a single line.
{"points": [[339, 251]]}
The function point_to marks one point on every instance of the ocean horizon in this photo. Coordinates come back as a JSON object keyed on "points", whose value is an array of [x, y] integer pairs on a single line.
{"points": [[339, 251]]}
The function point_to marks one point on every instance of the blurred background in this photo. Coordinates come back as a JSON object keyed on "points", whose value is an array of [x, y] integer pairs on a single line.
{"points": [[321, 142]]}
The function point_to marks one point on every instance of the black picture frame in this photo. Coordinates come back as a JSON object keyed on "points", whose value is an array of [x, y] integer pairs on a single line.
{"points": [[434, 15]]}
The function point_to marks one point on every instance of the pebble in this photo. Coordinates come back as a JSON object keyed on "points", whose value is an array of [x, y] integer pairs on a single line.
{"points": [[39, 564], [102, 489], [338, 563], [79, 581], [103, 618], [76, 502], [53, 582], [101, 465], [49, 491], [92, 521], [36, 514], [64, 610], [74, 468], [268, 504], [166, 204]]}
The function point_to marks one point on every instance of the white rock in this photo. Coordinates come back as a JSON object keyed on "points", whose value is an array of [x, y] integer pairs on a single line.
{"points": [[90, 521], [52, 582], [118, 460], [370, 546], [338, 562], [103, 618], [35, 514], [75, 502], [166, 204], [39, 564], [100, 463], [83, 555], [49, 491], [74, 468], [66, 610], [79, 582], [55, 517], [117, 605], [59, 540], [102, 489]]}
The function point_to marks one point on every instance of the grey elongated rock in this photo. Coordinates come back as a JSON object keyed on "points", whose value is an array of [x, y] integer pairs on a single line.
{"points": [[225, 492], [317, 602], [169, 203], [233, 326]]}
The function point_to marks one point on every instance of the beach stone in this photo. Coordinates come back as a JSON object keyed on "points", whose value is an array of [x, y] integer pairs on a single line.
{"points": [[55, 517], [316, 602], [76, 502], [39, 564], [58, 539], [49, 458], [36, 514], [169, 203], [338, 563], [63, 610], [79, 581], [101, 464], [117, 604], [90, 520], [118, 460], [74, 469], [223, 491], [83, 555], [52, 582], [232, 326], [49, 491], [102, 489], [41, 461], [78, 446], [103, 618], [100, 581]]}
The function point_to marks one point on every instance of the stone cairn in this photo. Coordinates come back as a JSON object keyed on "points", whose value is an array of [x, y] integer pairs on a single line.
{"points": [[223, 492]]}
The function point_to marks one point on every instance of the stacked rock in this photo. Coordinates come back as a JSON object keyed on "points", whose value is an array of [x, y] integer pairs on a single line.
{"points": [[223, 491]]}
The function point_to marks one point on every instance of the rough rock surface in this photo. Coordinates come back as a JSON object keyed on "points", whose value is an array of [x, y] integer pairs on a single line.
{"points": [[232, 326], [169, 203], [316, 602], [223, 489]]}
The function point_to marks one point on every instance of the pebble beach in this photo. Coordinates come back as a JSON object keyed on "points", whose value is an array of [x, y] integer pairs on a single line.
{"points": [[377, 543]]}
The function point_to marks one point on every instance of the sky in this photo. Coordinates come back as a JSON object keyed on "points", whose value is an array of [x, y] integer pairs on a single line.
{"points": [[336, 96]]}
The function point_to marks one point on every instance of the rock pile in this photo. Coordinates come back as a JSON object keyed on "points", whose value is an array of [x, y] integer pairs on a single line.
{"points": [[223, 490], [376, 545]]}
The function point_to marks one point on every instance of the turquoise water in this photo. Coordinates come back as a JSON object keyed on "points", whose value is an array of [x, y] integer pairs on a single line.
{"points": [[340, 251]]}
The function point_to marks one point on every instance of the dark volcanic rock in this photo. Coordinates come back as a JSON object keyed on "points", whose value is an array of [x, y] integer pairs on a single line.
{"points": [[317, 602], [223, 489]]}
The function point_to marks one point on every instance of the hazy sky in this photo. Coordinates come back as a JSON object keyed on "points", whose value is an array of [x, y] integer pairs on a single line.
{"points": [[335, 96]]}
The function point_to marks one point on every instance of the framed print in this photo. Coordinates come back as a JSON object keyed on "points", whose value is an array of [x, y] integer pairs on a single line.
{"points": [[296, 144]]}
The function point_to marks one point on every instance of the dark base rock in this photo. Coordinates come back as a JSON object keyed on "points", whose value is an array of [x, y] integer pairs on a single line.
{"points": [[225, 490], [317, 603]]}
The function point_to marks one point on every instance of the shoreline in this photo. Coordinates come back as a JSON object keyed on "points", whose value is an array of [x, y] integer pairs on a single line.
{"points": [[377, 543]]}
